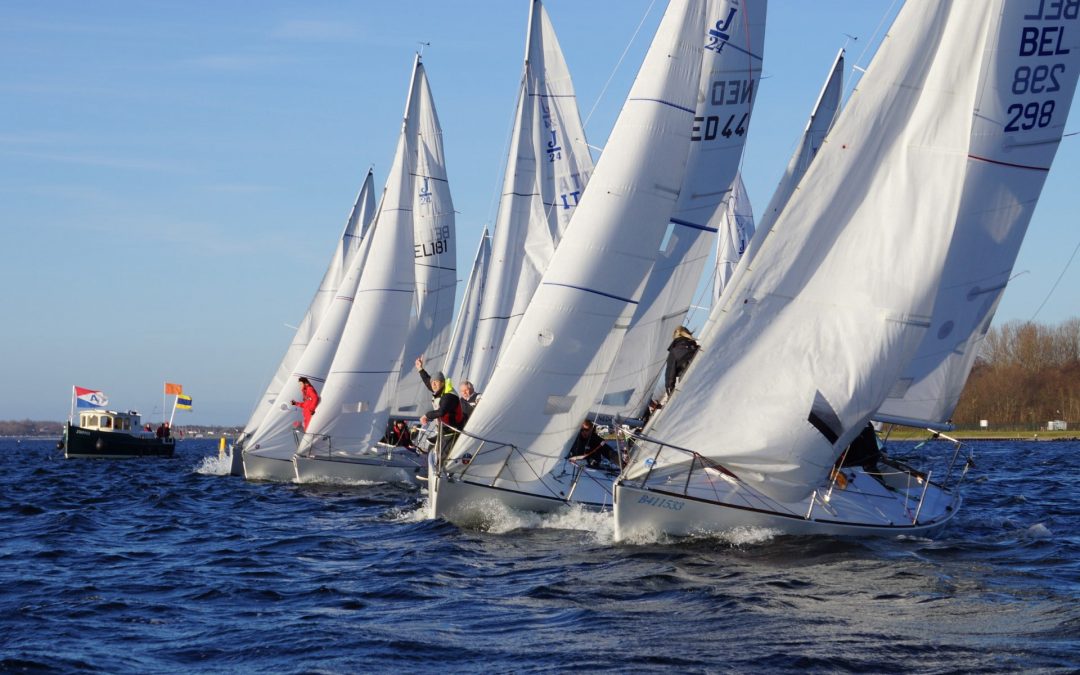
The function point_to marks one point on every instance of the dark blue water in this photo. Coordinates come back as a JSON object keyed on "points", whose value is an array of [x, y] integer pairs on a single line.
{"points": [[141, 566]]}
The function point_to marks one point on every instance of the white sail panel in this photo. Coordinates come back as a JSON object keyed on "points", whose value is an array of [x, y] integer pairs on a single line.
{"points": [[821, 120], [273, 437], [547, 169], [1020, 117], [461, 342], [359, 388], [556, 361], [360, 217], [818, 327], [731, 72], [736, 230], [435, 256]]}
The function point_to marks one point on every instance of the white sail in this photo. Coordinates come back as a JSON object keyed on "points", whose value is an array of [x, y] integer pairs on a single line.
{"points": [[736, 230], [435, 260], [821, 120], [461, 342], [360, 387], [556, 362], [268, 452], [1035, 67], [547, 169], [731, 71], [363, 211], [833, 307]]}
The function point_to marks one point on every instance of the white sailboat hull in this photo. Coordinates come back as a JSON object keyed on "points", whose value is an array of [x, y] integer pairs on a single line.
{"points": [[865, 508], [401, 466], [261, 467], [464, 502]]}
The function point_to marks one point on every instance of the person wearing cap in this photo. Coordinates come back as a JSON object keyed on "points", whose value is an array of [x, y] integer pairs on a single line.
{"points": [[445, 401], [681, 352]]}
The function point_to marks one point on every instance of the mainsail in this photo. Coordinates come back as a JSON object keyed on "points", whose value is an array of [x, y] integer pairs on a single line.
{"points": [[461, 342], [359, 389], [829, 313], [547, 169], [557, 360], [1019, 119], [730, 73], [434, 257], [363, 211]]}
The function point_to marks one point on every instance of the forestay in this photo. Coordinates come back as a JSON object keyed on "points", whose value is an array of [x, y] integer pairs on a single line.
{"points": [[359, 389], [363, 211], [434, 257], [1020, 117], [459, 354], [546, 172], [557, 359], [832, 308], [731, 72]]}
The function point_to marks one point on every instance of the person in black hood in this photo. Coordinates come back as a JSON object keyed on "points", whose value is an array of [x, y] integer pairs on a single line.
{"points": [[681, 352]]}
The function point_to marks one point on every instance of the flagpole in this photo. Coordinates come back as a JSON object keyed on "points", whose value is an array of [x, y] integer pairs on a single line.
{"points": [[71, 415], [171, 416], [164, 398]]}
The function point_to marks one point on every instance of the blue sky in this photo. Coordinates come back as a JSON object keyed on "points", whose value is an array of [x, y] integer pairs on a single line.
{"points": [[174, 174]]}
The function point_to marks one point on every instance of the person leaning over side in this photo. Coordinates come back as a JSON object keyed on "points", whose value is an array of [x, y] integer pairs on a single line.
{"points": [[446, 404]]}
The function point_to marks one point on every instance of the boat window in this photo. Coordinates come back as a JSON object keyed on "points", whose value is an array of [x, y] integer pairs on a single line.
{"points": [[106, 422], [92, 421], [126, 424], [83, 421]]}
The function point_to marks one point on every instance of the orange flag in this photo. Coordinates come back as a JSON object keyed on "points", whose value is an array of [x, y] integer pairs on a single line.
{"points": [[171, 388]]}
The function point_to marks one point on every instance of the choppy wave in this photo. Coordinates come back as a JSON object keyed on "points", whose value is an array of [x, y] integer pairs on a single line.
{"points": [[166, 565]]}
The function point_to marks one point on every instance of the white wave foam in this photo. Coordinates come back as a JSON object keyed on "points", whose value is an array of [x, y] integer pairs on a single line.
{"points": [[1039, 531], [215, 465]]}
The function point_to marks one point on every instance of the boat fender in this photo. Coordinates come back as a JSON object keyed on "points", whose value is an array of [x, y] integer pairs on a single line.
{"points": [[840, 478], [59, 445], [100, 445]]}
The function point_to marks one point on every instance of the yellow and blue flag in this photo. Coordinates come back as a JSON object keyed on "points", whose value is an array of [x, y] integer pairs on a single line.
{"points": [[183, 402]]}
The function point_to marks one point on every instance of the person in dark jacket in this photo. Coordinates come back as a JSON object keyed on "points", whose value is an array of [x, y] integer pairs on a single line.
{"points": [[588, 446], [469, 398], [681, 352], [447, 405]]}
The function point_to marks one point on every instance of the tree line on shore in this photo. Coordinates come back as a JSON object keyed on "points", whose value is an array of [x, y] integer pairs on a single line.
{"points": [[1026, 374]]}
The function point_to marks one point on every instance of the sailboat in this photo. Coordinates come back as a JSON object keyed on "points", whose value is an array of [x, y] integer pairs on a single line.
{"points": [[943, 138], [547, 168], [554, 366], [343, 441], [265, 450], [459, 355], [348, 244], [733, 51]]}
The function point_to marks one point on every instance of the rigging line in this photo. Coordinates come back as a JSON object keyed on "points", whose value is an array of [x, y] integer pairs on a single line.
{"points": [[868, 44], [618, 64], [1054, 287]]}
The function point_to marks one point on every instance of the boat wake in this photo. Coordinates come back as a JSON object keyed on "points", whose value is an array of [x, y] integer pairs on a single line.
{"points": [[214, 465], [738, 537]]}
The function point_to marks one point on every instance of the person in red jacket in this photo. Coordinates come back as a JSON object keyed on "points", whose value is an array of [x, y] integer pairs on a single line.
{"points": [[310, 401]]}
